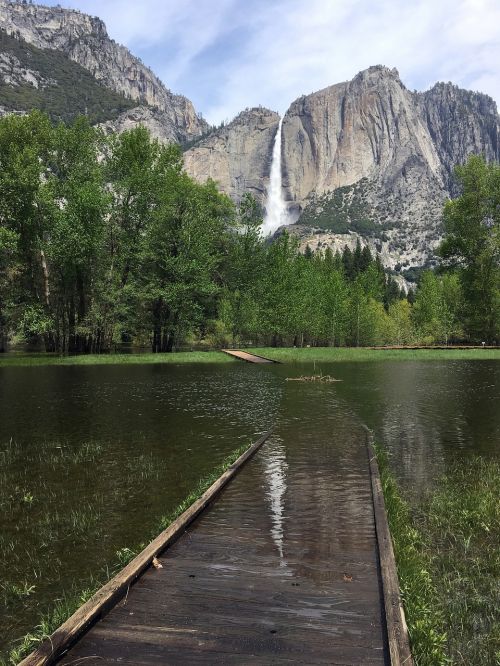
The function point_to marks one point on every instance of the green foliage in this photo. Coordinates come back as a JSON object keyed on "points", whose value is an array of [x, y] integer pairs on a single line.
{"points": [[448, 564], [106, 240], [438, 308], [462, 522], [419, 590], [400, 323], [180, 257], [472, 245], [69, 89]]}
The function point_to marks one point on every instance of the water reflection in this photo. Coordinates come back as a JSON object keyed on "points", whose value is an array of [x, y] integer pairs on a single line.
{"points": [[427, 414], [134, 440], [273, 459], [93, 445]]}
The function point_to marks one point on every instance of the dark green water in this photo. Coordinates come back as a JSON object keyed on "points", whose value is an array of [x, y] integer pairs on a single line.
{"points": [[92, 457]]}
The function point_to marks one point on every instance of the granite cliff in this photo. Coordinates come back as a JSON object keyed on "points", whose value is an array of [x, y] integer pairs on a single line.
{"points": [[365, 159], [238, 155], [84, 40]]}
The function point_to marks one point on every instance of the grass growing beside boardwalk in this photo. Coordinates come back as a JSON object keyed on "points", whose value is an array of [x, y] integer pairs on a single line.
{"points": [[282, 354], [69, 603], [338, 354], [448, 558]]}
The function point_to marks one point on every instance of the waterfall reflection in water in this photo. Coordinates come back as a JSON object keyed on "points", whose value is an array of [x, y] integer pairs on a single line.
{"points": [[273, 457]]}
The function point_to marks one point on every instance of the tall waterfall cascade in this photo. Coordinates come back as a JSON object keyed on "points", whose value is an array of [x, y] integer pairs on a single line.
{"points": [[276, 211]]}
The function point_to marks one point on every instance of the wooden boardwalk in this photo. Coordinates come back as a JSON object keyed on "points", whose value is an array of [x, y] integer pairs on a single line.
{"points": [[282, 568], [247, 356]]}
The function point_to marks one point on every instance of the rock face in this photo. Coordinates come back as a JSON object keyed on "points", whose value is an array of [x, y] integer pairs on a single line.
{"points": [[160, 124], [13, 73], [237, 156], [84, 40], [376, 158], [460, 123], [369, 127], [365, 159]]}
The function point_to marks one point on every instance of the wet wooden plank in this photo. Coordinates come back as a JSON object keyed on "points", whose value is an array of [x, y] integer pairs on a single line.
{"points": [[247, 356], [281, 569], [397, 631], [169, 645]]}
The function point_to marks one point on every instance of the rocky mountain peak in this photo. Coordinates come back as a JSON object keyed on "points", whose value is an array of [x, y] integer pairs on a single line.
{"points": [[84, 39], [255, 116], [49, 27], [449, 91], [375, 74], [364, 159]]}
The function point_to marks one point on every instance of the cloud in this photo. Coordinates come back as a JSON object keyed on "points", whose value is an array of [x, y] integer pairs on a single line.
{"points": [[315, 44], [226, 55]]}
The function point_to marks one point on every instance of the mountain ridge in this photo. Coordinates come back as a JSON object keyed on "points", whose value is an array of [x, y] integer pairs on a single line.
{"points": [[84, 39], [365, 159]]}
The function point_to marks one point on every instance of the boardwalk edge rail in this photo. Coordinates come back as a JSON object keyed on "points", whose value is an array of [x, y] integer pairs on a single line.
{"points": [[397, 630], [104, 599]]}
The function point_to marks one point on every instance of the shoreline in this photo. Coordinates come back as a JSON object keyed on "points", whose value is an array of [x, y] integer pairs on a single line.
{"points": [[282, 354]]}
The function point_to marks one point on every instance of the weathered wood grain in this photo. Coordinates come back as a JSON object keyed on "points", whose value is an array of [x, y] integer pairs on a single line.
{"points": [[397, 631], [281, 569]]}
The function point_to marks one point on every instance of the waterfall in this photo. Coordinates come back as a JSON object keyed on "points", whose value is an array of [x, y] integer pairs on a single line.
{"points": [[276, 213]]}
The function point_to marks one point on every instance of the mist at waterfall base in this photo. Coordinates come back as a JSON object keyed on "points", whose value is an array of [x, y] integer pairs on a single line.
{"points": [[276, 211]]}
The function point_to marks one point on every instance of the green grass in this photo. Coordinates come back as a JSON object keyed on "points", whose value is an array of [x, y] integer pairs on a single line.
{"points": [[114, 359], [449, 564], [331, 354], [70, 602], [282, 354]]}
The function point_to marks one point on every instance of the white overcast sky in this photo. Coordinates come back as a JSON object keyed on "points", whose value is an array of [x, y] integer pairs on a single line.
{"points": [[226, 55]]}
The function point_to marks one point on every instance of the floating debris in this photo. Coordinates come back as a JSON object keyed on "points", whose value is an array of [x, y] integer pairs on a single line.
{"points": [[157, 564], [313, 378]]}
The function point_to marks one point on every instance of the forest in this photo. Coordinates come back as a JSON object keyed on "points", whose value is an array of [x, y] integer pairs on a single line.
{"points": [[106, 240]]}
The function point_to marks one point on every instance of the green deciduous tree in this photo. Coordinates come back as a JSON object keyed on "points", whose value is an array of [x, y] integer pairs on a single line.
{"points": [[180, 255], [472, 244], [25, 146], [241, 272]]}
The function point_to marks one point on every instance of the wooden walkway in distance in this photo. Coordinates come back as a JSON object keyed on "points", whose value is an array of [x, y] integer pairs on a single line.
{"points": [[247, 356], [283, 567]]}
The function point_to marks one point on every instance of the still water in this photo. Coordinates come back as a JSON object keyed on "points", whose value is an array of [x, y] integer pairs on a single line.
{"points": [[92, 457]]}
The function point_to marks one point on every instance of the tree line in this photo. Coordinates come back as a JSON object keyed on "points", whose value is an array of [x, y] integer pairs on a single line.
{"points": [[106, 239]]}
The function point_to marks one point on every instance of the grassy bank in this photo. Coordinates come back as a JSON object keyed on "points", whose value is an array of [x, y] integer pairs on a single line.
{"points": [[449, 564], [72, 600], [7, 360], [338, 354], [282, 354]]}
